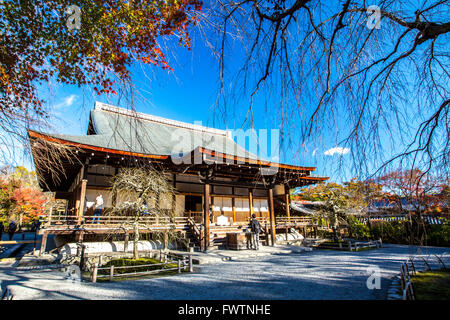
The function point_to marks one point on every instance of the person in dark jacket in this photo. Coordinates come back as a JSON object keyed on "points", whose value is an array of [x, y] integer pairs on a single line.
{"points": [[35, 225], [255, 227], [2, 228], [12, 229]]}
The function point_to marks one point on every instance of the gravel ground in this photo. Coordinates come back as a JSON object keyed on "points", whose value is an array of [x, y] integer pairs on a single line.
{"points": [[320, 274]]}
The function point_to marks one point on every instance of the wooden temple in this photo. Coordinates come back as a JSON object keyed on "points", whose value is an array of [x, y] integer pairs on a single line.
{"points": [[213, 177]]}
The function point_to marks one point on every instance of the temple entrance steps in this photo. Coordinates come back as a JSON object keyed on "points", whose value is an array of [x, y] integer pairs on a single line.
{"points": [[194, 242], [218, 234]]}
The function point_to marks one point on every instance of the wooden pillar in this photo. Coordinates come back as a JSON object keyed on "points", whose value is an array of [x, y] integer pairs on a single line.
{"points": [[250, 201], [82, 198], [43, 243], [206, 209], [288, 209], [174, 199], [272, 217], [49, 220], [79, 236], [166, 240], [125, 243], [233, 205]]}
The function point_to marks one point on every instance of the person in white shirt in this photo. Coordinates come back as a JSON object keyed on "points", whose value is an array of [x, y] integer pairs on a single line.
{"points": [[98, 208]]}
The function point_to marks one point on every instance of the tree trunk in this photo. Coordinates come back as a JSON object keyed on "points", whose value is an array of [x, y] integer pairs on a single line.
{"points": [[136, 240], [335, 225], [20, 221]]}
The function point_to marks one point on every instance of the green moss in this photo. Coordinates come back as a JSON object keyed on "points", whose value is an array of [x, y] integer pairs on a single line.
{"points": [[366, 248], [135, 262], [332, 245], [432, 285]]}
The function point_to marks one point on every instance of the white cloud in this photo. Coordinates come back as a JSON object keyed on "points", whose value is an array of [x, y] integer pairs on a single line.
{"points": [[68, 101], [336, 150]]}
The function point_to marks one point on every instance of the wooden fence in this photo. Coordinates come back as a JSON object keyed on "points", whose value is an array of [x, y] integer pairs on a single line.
{"points": [[408, 269], [427, 218], [405, 280], [360, 245], [183, 263], [7, 295]]}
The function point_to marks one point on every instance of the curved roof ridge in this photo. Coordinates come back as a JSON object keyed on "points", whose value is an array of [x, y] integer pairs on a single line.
{"points": [[143, 116]]}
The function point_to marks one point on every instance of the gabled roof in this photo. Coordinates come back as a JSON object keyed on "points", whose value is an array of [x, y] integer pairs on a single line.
{"points": [[121, 131]]}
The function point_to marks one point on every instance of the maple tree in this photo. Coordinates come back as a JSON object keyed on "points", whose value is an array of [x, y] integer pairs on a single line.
{"points": [[424, 193], [20, 197], [414, 190], [85, 43], [28, 204]]}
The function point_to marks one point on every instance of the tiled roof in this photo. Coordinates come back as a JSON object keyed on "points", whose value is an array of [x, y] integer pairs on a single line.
{"points": [[130, 131]]}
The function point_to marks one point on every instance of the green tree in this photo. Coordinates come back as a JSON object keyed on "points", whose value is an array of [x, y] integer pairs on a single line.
{"points": [[344, 201], [336, 201]]}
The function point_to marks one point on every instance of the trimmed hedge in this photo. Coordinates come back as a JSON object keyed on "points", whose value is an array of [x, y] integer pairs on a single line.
{"points": [[402, 232]]}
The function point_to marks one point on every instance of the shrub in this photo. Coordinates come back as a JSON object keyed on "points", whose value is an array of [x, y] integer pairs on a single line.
{"points": [[439, 235], [390, 231], [358, 229]]}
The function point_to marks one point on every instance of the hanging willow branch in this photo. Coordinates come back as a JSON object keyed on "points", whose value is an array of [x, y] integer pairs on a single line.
{"points": [[316, 68], [138, 193]]}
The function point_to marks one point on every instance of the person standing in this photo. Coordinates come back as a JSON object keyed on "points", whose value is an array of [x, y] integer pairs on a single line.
{"points": [[36, 225], [145, 207], [85, 206], [255, 227], [2, 228], [12, 229], [98, 207]]}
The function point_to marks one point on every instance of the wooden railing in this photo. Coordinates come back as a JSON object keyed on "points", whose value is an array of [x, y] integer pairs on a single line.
{"points": [[293, 220], [407, 270], [262, 220], [196, 230], [197, 216], [405, 280], [356, 245], [115, 220]]}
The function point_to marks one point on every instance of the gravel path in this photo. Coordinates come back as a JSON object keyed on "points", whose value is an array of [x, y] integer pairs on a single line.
{"points": [[320, 274]]}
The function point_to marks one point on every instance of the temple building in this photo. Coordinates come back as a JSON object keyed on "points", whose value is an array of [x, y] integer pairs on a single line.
{"points": [[218, 183]]}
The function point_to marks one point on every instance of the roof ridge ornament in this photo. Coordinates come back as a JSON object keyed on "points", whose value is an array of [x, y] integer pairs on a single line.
{"points": [[144, 116]]}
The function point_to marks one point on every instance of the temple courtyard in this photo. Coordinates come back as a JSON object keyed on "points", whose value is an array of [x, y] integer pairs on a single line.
{"points": [[282, 274]]}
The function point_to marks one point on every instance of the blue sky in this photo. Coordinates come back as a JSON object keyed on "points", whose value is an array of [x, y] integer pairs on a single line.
{"points": [[189, 94]]}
